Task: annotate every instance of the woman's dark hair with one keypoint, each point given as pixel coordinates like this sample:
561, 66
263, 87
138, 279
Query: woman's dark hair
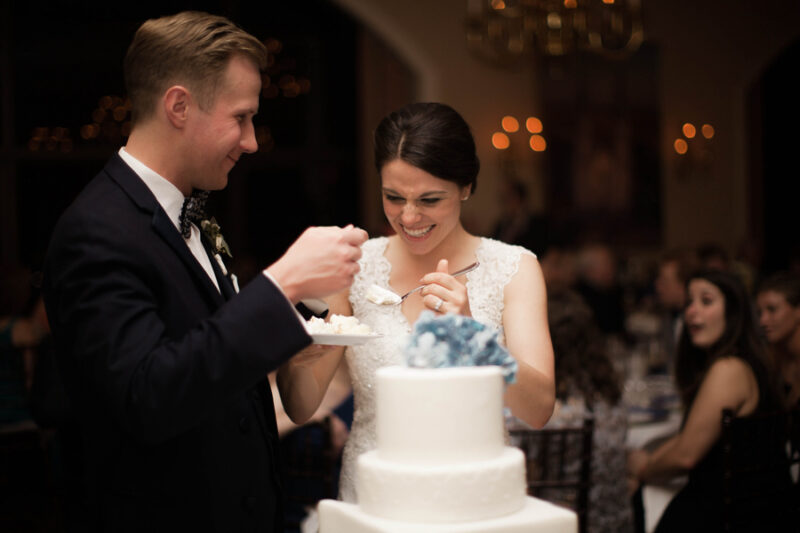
432, 137
785, 283
740, 338
581, 360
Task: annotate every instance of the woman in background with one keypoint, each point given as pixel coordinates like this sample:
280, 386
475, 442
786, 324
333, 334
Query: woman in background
778, 299
721, 364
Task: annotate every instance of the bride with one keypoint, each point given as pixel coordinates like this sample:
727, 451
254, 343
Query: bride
425, 156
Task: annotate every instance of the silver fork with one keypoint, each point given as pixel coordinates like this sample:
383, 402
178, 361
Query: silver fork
461, 272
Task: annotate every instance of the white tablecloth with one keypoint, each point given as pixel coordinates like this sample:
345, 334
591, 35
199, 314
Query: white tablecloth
655, 498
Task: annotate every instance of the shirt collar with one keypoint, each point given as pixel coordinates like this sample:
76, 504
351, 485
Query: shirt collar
168, 195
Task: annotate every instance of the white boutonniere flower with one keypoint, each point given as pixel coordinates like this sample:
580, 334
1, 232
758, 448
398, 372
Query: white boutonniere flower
212, 232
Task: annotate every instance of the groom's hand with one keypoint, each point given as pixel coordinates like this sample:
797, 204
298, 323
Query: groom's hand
322, 261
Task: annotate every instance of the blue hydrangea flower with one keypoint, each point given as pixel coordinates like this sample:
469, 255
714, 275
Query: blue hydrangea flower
440, 341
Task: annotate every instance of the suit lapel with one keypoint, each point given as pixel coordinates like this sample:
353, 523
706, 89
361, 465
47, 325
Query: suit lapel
225, 286
166, 230
140, 195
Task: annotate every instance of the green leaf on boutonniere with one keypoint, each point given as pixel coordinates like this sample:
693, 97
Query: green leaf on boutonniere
214, 236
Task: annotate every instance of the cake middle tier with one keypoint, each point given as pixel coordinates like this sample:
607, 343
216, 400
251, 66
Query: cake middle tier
439, 416
476, 490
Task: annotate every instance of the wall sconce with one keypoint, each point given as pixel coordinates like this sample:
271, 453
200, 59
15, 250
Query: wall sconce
511, 130
509, 124
694, 151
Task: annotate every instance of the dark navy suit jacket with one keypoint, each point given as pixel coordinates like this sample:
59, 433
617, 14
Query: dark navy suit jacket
168, 376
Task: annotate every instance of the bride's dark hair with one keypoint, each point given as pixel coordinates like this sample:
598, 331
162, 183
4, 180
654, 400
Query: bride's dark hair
432, 137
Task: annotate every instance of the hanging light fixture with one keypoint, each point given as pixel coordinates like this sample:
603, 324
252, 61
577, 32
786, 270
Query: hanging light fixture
505, 31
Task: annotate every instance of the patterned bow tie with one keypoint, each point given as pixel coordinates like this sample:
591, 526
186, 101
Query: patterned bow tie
192, 211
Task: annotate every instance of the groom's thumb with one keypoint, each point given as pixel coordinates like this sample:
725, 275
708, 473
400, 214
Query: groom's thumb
442, 266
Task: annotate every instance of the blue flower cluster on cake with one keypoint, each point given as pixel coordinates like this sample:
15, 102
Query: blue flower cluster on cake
440, 341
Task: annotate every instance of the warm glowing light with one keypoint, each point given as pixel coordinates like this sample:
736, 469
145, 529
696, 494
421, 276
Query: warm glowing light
538, 144
273, 46
689, 131
608, 1
534, 125
89, 131
681, 146
120, 113
570, 4
105, 103
498, 5
500, 141
553, 21
708, 131
510, 124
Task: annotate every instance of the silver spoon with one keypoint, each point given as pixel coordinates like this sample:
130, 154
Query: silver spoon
379, 295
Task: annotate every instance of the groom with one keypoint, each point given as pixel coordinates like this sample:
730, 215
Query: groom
166, 365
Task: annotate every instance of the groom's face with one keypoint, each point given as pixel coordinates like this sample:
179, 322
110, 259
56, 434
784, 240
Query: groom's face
222, 133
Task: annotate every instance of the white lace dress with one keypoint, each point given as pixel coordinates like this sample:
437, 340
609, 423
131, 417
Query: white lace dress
499, 263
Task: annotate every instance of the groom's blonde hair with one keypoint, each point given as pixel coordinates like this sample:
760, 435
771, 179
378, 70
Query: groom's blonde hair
190, 48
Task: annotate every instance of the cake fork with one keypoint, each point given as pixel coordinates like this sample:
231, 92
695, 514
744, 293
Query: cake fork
461, 272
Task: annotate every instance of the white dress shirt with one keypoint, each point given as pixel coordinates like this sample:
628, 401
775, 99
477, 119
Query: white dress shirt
171, 200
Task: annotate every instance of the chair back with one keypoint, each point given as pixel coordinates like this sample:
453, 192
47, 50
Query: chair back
559, 465
757, 490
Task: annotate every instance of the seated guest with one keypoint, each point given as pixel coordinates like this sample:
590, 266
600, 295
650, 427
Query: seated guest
778, 300
674, 267
721, 364
587, 385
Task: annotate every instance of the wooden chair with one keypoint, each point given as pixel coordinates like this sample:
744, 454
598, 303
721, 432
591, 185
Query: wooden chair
758, 493
559, 465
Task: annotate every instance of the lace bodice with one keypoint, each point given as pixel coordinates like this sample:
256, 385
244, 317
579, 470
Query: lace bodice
499, 263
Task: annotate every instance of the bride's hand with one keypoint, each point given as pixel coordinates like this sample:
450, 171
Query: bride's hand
443, 293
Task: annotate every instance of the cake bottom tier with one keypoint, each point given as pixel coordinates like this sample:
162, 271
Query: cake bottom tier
536, 516
476, 490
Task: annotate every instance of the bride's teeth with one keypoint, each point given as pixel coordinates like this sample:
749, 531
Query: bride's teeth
418, 233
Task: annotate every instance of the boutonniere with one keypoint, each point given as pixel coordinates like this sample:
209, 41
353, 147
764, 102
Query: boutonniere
213, 235
212, 232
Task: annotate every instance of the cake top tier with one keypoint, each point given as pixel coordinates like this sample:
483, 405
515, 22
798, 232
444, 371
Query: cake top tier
439, 415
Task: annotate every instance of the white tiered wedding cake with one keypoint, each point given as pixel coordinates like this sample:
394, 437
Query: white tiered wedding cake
441, 464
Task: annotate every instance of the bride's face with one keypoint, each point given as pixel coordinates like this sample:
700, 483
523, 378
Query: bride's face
421, 208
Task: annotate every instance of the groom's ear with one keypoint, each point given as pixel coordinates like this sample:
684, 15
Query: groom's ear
176, 105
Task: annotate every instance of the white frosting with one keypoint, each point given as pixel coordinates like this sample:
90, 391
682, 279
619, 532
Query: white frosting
337, 324
378, 295
537, 516
439, 416
441, 465
474, 490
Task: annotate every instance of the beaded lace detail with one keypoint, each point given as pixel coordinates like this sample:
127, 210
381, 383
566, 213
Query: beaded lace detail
499, 263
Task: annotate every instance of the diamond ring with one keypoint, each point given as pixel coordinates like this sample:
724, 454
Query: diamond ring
438, 305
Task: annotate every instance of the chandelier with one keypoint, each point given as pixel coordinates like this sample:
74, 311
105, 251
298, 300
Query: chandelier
504, 31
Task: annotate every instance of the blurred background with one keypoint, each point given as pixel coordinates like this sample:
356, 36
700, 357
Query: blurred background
666, 123
610, 131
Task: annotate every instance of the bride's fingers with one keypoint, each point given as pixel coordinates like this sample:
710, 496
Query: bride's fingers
434, 303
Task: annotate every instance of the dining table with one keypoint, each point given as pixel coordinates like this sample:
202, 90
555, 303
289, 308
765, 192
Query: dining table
654, 415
